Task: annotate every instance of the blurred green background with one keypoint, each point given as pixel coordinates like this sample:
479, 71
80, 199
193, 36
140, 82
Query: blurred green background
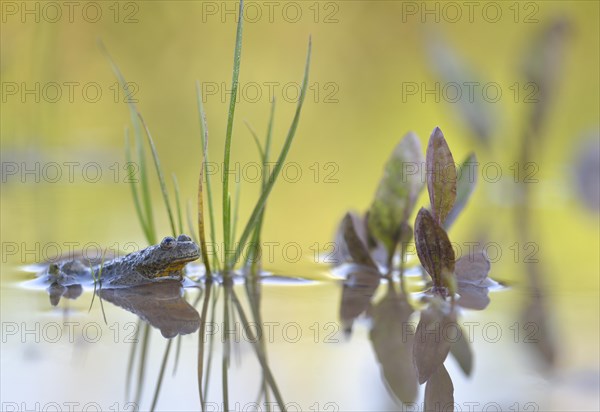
365, 55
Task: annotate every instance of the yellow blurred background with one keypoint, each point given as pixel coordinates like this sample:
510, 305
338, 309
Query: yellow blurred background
365, 56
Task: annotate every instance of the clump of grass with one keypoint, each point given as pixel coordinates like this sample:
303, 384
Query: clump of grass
229, 215
252, 229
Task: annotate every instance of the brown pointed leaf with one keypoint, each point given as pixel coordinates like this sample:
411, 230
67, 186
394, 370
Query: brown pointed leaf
441, 176
467, 179
434, 249
397, 191
356, 246
432, 340
439, 392
393, 345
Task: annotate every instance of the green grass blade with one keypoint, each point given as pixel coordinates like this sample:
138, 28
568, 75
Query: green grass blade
159, 173
278, 166
255, 137
134, 192
268, 140
144, 183
236, 208
209, 198
161, 375
133, 112
190, 223
252, 257
201, 219
230, 116
178, 204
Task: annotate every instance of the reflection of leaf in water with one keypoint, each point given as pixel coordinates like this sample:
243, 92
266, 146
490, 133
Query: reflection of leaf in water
393, 345
160, 304
397, 192
461, 350
441, 176
472, 280
359, 288
439, 391
356, 246
467, 178
434, 249
431, 341
536, 323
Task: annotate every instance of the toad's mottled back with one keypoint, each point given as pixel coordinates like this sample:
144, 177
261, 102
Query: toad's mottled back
155, 263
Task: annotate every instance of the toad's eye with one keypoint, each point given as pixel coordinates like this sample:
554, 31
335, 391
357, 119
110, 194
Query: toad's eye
167, 243
184, 238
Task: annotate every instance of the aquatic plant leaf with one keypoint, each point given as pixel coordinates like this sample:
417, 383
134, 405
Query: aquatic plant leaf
586, 167
441, 176
359, 287
466, 181
542, 65
439, 392
431, 343
478, 112
434, 250
393, 345
355, 245
472, 280
461, 350
341, 254
397, 192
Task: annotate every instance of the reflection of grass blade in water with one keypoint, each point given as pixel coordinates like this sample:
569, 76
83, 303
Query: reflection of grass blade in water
227, 346
132, 358
253, 291
254, 217
201, 341
226, 158
259, 353
211, 342
161, 375
97, 281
